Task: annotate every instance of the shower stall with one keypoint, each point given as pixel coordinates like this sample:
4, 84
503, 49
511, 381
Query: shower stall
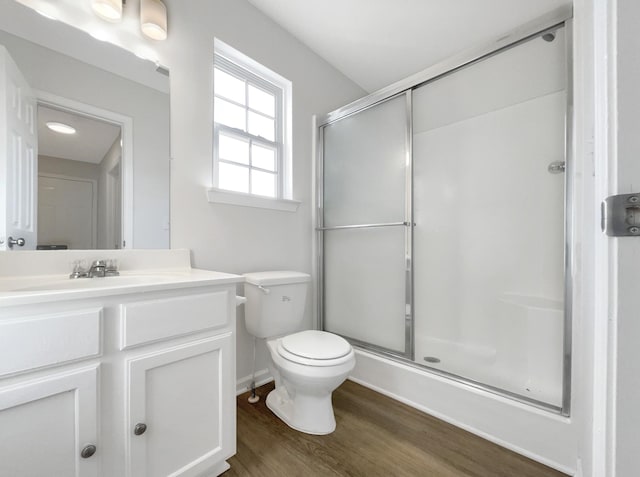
444, 219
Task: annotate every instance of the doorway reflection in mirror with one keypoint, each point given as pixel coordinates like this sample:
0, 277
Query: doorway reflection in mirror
79, 205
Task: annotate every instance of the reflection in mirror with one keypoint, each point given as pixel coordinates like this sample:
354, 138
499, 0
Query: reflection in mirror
107, 186
78, 181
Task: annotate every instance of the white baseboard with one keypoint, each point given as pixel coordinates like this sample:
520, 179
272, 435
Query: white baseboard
244, 384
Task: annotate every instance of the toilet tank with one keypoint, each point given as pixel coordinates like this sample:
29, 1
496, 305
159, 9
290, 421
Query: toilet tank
275, 302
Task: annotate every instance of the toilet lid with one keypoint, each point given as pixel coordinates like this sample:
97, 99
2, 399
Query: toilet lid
313, 344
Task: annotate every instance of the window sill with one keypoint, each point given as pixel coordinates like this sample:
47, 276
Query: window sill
219, 196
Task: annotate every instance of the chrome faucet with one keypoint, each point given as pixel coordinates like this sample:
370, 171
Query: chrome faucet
98, 269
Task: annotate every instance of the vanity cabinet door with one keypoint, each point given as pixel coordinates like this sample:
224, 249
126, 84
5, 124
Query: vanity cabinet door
181, 419
46, 424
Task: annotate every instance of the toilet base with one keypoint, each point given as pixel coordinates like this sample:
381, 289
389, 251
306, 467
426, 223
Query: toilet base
308, 414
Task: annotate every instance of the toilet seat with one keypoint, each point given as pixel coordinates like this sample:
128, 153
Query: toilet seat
315, 348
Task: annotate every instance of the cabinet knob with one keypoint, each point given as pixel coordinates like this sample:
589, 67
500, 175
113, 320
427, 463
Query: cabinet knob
88, 451
140, 429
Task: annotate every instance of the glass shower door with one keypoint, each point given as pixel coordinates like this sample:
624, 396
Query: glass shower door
489, 208
365, 236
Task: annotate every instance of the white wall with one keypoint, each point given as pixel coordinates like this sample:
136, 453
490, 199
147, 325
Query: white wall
61, 75
66, 167
233, 238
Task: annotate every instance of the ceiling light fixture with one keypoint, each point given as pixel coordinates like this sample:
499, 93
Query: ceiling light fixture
153, 19
109, 10
61, 128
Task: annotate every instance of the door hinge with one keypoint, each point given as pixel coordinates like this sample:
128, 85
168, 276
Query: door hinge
620, 215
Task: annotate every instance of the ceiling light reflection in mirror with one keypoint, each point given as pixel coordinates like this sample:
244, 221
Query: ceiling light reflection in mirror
61, 128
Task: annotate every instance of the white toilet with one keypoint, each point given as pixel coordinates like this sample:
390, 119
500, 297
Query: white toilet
307, 365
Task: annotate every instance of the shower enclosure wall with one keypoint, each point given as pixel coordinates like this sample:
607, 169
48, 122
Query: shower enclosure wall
442, 228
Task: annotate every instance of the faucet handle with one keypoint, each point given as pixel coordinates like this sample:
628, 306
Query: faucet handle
99, 263
111, 269
79, 270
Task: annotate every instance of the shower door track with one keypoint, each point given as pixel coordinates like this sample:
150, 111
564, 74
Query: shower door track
559, 18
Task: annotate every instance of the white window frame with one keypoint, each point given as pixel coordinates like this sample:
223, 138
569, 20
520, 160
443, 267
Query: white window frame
233, 62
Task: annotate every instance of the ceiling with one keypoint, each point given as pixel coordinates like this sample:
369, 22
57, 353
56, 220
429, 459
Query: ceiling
378, 42
90, 143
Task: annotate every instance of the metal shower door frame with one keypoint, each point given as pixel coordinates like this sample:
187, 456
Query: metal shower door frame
407, 223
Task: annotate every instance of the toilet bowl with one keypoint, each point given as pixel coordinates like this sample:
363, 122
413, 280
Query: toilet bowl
307, 368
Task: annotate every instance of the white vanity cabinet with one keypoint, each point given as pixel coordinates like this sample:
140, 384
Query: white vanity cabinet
48, 409
47, 425
125, 384
179, 411
181, 415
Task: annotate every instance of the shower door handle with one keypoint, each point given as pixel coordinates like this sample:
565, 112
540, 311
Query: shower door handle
365, 226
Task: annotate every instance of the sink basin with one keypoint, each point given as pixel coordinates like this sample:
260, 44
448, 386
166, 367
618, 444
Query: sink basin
66, 284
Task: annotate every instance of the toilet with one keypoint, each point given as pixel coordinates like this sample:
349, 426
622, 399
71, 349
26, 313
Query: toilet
307, 366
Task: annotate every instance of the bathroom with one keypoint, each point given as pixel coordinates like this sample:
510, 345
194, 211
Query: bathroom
177, 211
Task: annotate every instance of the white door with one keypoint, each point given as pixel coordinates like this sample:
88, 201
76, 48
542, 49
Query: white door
184, 396
114, 207
45, 424
67, 212
18, 158
625, 251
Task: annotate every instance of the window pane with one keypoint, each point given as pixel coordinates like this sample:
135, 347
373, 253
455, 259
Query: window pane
263, 183
233, 149
262, 101
229, 114
263, 157
232, 177
229, 86
261, 126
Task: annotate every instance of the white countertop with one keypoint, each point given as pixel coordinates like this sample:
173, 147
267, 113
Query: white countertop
28, 277
24, 290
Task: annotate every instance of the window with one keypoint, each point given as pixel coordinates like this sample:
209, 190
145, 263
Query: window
251, 122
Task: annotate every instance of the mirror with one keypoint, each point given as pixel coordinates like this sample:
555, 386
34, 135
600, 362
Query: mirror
106, 185
79, 181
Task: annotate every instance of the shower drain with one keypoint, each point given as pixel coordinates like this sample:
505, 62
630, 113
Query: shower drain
431, 359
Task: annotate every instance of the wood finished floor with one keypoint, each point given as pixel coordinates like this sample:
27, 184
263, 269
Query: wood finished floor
375, 436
